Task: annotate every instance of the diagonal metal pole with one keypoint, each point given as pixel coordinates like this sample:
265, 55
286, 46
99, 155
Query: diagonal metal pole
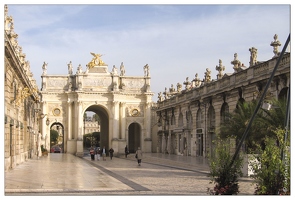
287, 117
283, 151
260, 102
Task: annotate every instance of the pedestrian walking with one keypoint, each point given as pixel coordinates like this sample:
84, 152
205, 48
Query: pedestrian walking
111, 152
92, 153
98, 153
104, 153
126, 151
138, 156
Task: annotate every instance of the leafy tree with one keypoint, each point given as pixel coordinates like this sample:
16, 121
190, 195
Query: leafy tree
87, 138
274, 117
96, 136
237, 122
53, 136
91, 139
271, 172
265, 137
263, 125
222, 175
96, 117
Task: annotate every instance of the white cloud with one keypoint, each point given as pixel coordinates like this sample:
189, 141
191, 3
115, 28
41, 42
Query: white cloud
176, 44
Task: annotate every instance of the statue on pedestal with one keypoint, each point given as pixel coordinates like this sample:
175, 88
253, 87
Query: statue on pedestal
122, 69
44, 67
70, 68
146, 69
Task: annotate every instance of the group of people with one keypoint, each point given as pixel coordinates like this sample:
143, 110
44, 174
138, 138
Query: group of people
95, 153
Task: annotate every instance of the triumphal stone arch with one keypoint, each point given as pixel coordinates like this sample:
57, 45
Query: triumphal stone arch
122, 102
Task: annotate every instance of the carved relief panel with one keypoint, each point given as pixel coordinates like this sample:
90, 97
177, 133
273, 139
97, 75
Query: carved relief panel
135, 111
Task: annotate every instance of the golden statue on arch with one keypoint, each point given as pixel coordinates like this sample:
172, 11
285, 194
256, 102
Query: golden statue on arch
96, 61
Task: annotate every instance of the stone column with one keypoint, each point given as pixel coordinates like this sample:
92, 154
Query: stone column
189, 143
163, 143
43, 121
116, 115
169, 143
217, 103
148, 120
181, 142
70, 134
79, 151
80, 121
147, 128
122, 134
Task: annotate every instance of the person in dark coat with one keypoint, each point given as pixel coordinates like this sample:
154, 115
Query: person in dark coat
111, 152
126, 151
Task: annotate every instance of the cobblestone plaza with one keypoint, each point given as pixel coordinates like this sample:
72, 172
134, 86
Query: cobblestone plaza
159, 174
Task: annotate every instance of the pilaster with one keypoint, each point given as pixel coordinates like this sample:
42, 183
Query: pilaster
123, 120
79, 120
116, 117
43, 121
70, 136
148, 120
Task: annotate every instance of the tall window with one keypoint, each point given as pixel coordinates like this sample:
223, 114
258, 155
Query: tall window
180, 120
173, 120
224, 113
199, 118
211, 118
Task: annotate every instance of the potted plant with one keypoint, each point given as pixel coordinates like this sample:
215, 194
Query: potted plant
44, 151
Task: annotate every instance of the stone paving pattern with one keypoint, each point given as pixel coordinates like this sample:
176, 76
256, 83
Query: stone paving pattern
159, 174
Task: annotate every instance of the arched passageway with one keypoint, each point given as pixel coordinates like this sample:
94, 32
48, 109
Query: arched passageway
134, 132
283, 93
104, 125
57, 140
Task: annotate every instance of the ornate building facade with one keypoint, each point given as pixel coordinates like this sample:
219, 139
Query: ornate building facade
123, 104
21, 98
189, 118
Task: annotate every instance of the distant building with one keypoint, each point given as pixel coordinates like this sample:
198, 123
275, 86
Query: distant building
91, 125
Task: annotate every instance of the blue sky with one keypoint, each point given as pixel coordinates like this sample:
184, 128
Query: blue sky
177, 41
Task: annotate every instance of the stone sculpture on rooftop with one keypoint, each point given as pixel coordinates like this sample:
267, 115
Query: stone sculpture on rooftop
220, 68
275, 44
96, 61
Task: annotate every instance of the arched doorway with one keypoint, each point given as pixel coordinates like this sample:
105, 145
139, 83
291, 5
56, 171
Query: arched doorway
134, 133
103, 126
283, 93
211, 129
56, 136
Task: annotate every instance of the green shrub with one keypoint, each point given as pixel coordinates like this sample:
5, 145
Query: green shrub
272, 173
224, 176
